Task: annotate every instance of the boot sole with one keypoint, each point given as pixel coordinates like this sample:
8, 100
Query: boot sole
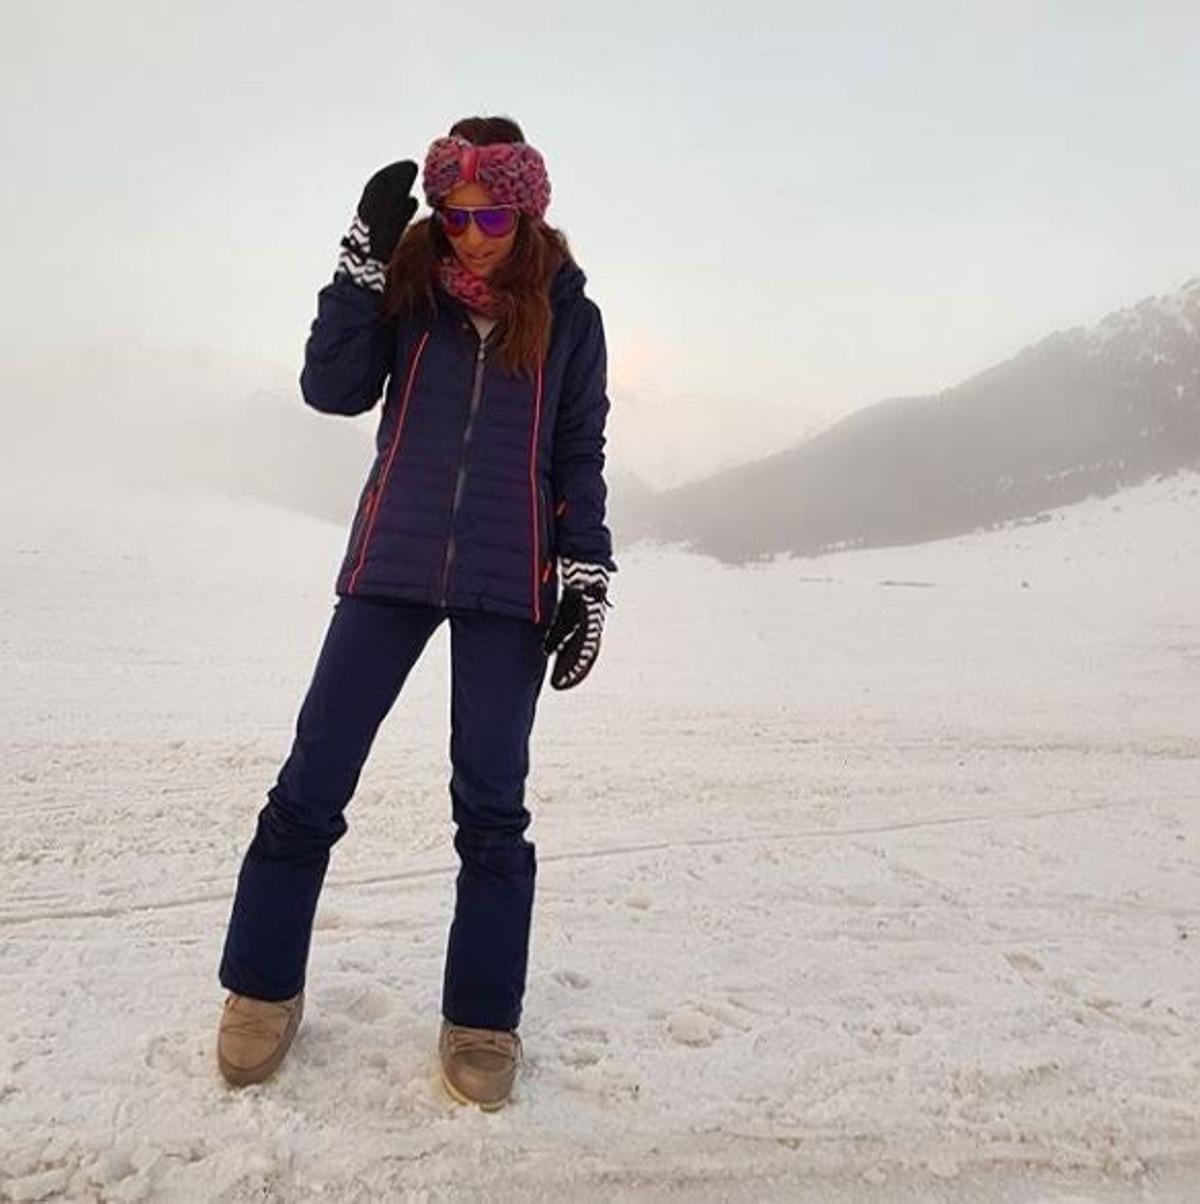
246, 1076
494, 1106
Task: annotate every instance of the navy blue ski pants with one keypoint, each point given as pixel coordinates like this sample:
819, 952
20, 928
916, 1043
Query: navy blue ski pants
497, 670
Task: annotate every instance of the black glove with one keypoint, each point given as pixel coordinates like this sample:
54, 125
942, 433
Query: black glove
384, 210
578, 623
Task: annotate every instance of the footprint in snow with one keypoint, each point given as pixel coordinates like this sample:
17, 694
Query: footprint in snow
586, 1032
691, 1027
366, 1004
1023, 961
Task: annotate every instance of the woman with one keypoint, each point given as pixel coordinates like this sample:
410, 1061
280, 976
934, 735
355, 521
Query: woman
488, 470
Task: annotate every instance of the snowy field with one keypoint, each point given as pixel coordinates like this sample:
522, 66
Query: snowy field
868, 877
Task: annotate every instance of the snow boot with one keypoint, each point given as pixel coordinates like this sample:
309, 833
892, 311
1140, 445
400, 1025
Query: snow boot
478, 1064
254, 1036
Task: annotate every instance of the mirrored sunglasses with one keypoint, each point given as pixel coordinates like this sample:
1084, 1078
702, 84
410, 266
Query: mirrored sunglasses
493, 221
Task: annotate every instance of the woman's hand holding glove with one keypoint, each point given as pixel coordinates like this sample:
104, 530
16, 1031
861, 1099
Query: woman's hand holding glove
578, 622
384, 210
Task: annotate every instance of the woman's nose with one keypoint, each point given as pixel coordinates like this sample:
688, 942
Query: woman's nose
473, 235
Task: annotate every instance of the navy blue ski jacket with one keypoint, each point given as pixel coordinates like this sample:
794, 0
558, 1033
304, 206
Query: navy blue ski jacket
481, 479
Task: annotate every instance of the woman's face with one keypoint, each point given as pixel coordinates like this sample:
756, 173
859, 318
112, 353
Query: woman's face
480, 254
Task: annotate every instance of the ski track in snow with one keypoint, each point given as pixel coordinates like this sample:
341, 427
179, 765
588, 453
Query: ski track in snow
846, 891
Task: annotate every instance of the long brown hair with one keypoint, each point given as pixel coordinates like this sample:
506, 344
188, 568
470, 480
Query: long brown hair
521, 283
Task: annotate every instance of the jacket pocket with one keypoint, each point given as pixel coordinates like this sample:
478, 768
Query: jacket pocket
544, 520
362, 520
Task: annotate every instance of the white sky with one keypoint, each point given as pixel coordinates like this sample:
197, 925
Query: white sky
786, 211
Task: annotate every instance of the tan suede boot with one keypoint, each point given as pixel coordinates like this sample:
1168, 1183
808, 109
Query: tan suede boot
478, 1064
254, 1036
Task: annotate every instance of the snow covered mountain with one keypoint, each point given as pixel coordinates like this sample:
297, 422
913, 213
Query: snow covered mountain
1084, 412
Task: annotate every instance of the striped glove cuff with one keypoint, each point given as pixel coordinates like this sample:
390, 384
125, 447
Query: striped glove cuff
355, 260
591, 580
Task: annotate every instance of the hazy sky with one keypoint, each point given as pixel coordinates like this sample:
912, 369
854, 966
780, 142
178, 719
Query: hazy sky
786, 211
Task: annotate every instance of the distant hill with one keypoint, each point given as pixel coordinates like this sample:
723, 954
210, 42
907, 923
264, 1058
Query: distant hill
1083, 412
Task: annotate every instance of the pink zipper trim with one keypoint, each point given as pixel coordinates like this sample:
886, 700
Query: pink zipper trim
533, 498
373, 504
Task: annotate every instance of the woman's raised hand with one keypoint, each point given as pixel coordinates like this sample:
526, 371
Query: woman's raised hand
385, 208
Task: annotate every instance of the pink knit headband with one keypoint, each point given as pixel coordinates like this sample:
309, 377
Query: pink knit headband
513, 172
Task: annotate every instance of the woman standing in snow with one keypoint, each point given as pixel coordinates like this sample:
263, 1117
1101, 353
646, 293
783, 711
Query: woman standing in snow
489, 469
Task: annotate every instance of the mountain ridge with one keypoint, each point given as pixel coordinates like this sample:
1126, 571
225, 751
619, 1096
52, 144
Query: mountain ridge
1082, 411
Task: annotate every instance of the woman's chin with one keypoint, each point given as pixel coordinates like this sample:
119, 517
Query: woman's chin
479, 267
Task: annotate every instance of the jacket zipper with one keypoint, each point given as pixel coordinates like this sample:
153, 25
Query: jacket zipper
476, 390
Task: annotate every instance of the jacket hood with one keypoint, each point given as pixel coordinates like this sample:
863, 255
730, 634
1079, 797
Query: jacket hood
568, 282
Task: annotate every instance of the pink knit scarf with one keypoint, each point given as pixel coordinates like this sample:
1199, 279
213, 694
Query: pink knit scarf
473, 291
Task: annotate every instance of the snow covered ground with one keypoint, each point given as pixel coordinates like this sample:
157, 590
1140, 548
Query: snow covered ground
869, 877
